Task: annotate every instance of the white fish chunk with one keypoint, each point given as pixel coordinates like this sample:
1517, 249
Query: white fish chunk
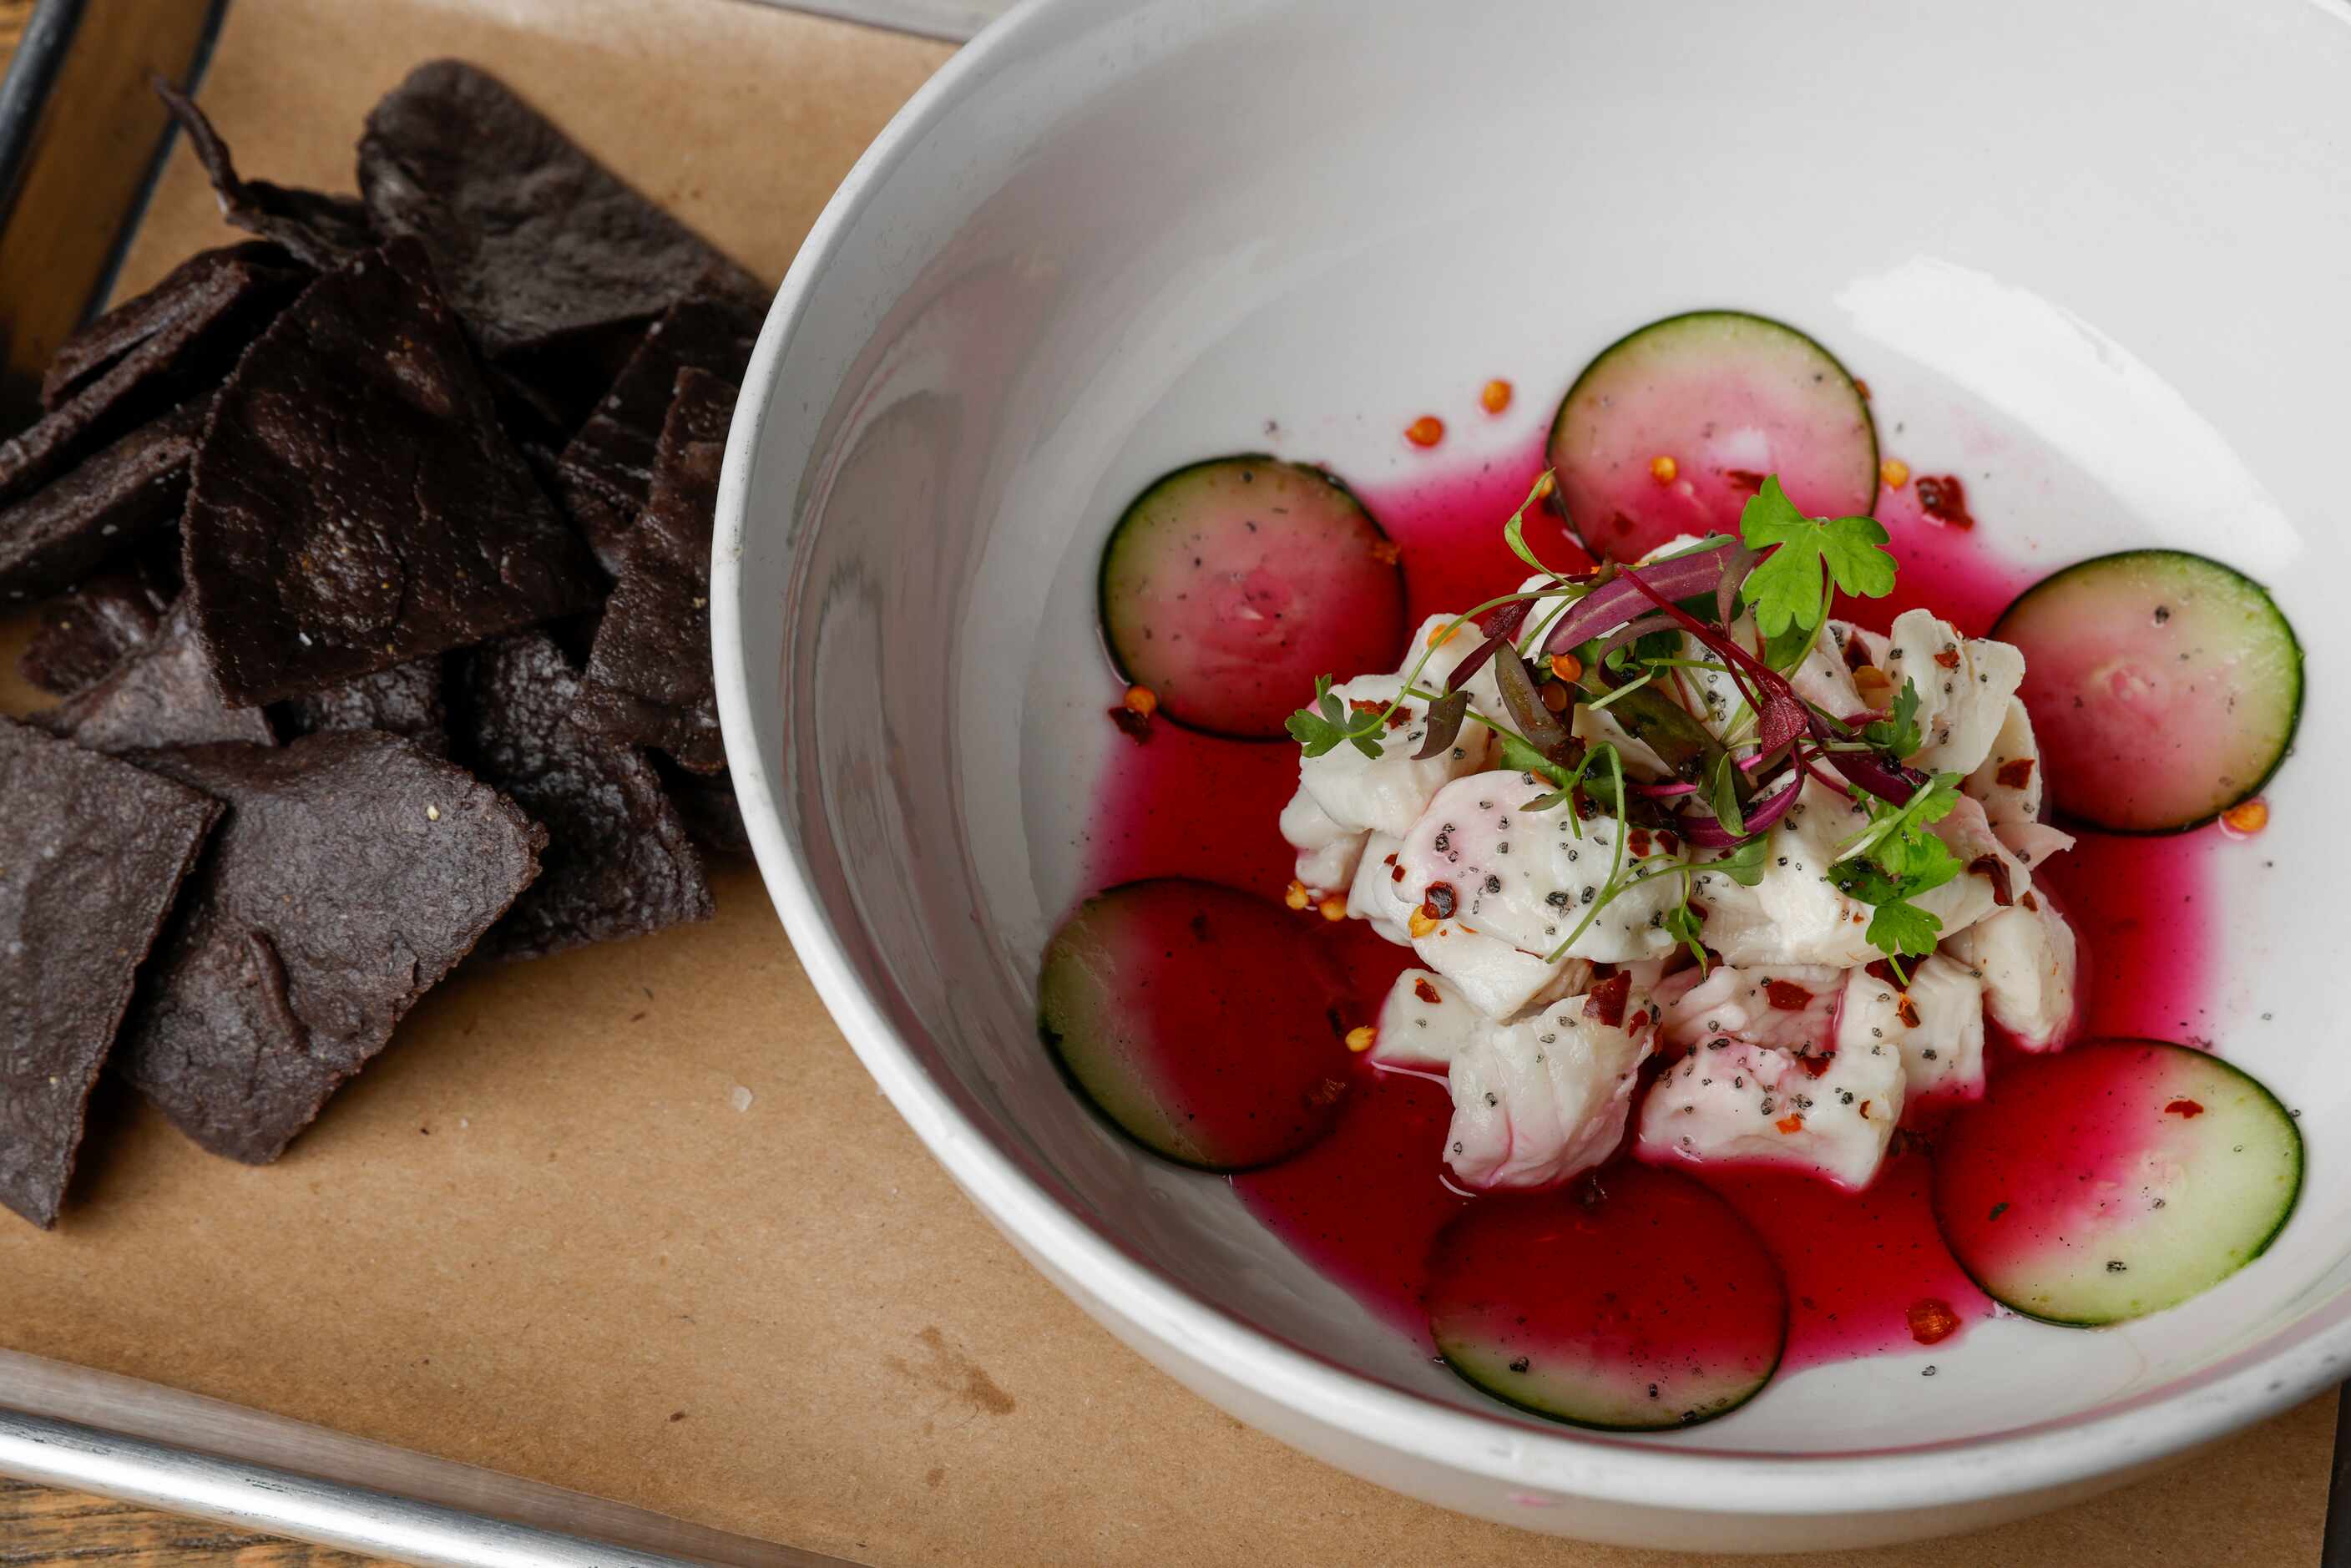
2009, 784
1328, 853
1535, 1101
1937, 1023
1528, 878
1739, 1102
1964, 685
1789, 1007
2025, 957
1372, 895
1499, 980
1345, 792
1425, 1022
1796, 915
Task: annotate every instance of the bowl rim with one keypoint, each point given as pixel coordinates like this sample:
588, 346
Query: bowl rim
2141, 1431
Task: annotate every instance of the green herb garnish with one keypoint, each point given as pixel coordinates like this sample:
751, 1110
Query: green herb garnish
1894, 859
1786, 591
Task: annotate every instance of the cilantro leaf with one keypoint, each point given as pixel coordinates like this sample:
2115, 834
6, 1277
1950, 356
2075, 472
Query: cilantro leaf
1320, 732
1311, 730
1744, 865
1899, 735
1896, 859
1903, 930
1786, 590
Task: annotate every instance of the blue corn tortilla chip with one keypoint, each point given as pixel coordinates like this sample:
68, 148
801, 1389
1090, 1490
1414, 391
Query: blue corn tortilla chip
115, 501
351, 872
619, 860
83, 635
320, 229
189, 289
552, 260
163, 693
217, 314
649, 679
405, 700
355, 504
606, 472
91, 853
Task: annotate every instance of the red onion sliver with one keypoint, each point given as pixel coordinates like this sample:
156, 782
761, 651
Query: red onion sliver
1630, 632
1613, 600
1708, 834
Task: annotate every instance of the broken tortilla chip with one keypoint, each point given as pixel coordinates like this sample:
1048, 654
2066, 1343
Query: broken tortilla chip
115, 500
618, 860
161, 695
193, 289
91, 853
539, 248
404, 700
649, 679
351, 872
606, 474
355, 504
83, 635
222, 311
320, 229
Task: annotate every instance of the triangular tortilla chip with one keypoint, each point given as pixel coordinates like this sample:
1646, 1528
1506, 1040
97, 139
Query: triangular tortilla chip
91, 852
355, 504
649, 678
351, 872
618, 860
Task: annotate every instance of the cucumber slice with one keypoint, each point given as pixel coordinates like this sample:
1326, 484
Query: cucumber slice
2164, 687
1584, 1304
2114, 1179
1204, 1023
1230, 585
1730, 398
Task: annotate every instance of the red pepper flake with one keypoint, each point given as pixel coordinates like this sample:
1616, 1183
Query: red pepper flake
1814, 1066
1786, 995
1990, 865
1792, 1122
1397, 875
1942, 497
1604, 1003
2015, 773
1667, 842
2186, 1110
1864, 1109
1135, 726
1949, 658
2030, 903
1908, 1011
1440, 901
1856, 652
1932, 1321
1639, 842
1746, 479
1426, 992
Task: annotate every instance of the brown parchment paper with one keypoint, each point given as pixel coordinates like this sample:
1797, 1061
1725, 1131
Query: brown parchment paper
634, 1220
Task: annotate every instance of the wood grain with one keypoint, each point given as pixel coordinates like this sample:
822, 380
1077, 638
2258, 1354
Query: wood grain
39, 1526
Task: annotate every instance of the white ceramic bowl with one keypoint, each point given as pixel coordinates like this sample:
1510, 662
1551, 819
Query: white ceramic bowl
2097, 255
